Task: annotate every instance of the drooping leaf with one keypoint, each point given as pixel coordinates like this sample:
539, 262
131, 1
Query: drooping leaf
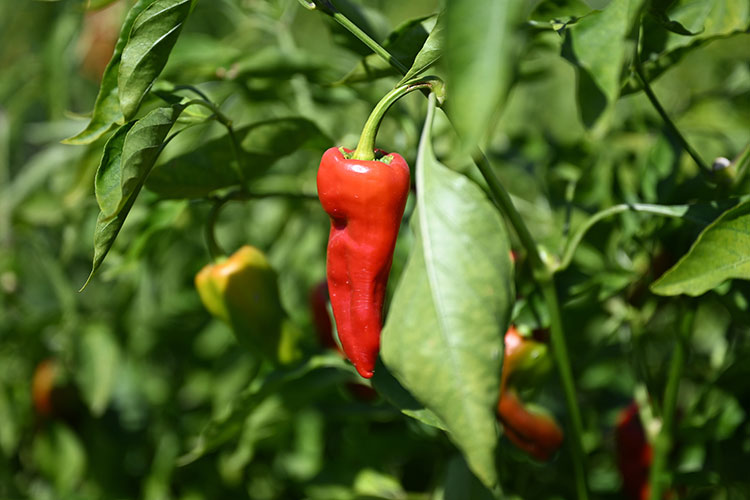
129, 156
481, 48
213, 165
430, 53
123, 171
443, 338
107, 107
403, 44
154, 33
721, 252
597, 46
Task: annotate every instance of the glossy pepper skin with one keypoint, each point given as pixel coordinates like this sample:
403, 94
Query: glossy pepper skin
243, 291
525, 363
365, 201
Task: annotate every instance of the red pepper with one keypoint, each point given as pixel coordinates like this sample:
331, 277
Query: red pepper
525, 362
365, 201
633, 453
533, 431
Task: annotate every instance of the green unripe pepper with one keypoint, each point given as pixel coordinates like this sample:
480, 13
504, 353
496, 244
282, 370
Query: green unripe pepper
243, 291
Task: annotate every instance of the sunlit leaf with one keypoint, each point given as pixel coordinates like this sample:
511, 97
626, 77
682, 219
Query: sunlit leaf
154, 33
721, 252
443, 338
107, 108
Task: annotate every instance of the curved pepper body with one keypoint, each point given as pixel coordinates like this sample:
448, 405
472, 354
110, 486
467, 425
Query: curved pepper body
525, 363
365, 201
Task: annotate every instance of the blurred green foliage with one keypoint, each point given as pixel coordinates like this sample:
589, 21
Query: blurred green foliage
143, 368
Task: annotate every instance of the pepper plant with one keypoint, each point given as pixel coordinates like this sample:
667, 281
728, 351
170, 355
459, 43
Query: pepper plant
456, 249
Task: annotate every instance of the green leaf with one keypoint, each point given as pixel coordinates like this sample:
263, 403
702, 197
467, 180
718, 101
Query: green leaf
123, 170
213, 165
388, 387
228, 425
403, 44
708, 20
107, 107
443, 338
721, 252
597, 46
430, 52
460, 483
98, 364
128, 157
481, 49
152, 37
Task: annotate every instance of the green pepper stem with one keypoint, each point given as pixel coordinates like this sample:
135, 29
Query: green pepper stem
366, 147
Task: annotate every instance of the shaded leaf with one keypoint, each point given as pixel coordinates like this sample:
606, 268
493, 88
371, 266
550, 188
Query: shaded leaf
123, 170
107, 107
707, 20
388, 387
597, 46
431, 51
213, 165
154, 33
481, 49
99, 359
443, 338
721, 252
404, 43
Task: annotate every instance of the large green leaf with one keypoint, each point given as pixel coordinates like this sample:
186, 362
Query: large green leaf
107, 107
721, 252
482, 46
443, 339
213, 165
403, 44
597, 45
154, 33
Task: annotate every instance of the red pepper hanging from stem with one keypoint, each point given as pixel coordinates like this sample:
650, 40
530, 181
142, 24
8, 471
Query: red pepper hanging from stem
364, 193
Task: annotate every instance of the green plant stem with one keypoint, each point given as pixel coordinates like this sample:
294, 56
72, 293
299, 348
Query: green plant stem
227, 122
542, 273
366, 146
702, 165
560, 352
328, 8
214, 250
659, 479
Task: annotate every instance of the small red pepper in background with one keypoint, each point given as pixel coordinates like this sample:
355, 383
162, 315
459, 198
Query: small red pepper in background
532, 430
321, 319
634, 453
525, 363
365, 200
